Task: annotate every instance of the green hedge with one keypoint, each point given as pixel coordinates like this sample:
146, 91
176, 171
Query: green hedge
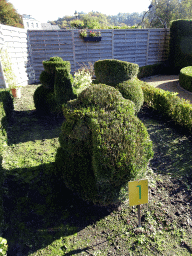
131, 90
180, 54
185, 78
151, 70
47, 77
6, 111
103, 144
112, 72
56, 87
170, 105
45, 102
63, 86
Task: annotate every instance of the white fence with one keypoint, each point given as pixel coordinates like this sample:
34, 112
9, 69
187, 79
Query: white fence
15, 40
30, 48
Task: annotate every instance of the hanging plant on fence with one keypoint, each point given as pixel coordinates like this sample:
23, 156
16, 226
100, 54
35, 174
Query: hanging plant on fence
90, 35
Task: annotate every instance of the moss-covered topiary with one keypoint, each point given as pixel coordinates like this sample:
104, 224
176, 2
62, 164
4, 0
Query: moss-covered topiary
63, 86
45, 102
47, 77
112, 72
185, 78
56, 86
102, 96
131, 90
103, 145
47, 80
51, 64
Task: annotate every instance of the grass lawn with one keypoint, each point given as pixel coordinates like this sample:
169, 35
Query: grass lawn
45, 218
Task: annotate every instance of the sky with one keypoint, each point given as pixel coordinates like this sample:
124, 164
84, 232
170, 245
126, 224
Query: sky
44, 10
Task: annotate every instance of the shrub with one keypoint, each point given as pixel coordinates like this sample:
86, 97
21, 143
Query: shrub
56, 87
47, 80
185, 78
47, 76
180, 45
45, 103
112, 72
3, 246
103, 96
102, 147
56, 62
170, 105
131, 90
151, 70
7, 100
6, 110
82, 79
62, 86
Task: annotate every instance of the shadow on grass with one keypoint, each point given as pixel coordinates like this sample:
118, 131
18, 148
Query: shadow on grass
39, 209
29, 126
172, 144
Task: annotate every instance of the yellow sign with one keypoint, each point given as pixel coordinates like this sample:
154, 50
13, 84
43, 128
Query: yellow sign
138, 192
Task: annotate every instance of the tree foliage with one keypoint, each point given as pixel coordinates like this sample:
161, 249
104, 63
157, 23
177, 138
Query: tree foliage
164, 11
159, 16
97, 20
9, 16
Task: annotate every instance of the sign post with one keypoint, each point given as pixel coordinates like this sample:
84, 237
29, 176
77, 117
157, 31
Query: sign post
138, 194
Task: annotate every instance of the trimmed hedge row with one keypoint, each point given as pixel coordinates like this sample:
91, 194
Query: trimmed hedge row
170, 105
103, 144
185, 78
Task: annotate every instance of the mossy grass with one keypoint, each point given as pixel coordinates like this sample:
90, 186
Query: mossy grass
53, 221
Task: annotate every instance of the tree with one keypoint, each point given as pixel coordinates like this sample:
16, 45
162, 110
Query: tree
163, 11
186, 8
9, 16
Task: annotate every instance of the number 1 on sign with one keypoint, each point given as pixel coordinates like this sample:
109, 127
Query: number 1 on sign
139, 186
138, 192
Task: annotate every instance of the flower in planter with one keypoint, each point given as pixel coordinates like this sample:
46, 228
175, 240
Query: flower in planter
83, 33
94, 33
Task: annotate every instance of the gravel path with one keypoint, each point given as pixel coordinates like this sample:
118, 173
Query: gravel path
169, 83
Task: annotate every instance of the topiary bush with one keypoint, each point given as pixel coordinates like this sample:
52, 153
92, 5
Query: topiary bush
131, 90
47, 77
63, 86
112, 72
103, 145
45, 102
47, 80
56, 87
185, 78
180, 44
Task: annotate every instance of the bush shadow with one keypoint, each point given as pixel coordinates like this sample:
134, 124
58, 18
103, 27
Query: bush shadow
29, 126
172, 144
39, 209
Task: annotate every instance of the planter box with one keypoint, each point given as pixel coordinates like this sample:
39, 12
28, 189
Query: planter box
16, 92
92, 39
